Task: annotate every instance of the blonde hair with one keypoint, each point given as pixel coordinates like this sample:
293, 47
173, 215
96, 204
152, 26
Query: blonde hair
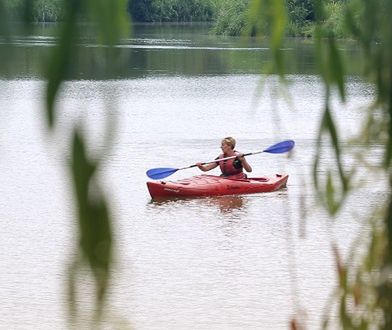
229, 141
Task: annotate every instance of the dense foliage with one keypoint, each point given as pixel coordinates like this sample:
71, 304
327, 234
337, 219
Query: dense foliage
229, 16
363, 296
301, 16
37, 10
172, 10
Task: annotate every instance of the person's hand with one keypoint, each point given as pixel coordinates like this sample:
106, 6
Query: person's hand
200, 165
237, 163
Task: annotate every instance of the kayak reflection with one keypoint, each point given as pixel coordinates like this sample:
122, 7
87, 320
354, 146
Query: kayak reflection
225, 204
229, 203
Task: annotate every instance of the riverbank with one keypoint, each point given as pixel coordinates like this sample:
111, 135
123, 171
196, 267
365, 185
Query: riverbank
228, 17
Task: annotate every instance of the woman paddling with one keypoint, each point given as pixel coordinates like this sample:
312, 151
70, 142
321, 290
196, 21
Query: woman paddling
233, 167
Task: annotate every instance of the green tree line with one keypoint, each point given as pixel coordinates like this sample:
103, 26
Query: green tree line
229, 16
140, 10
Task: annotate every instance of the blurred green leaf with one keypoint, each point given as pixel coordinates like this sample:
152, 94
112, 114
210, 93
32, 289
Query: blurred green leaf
388, 221
268, 18
111, 21
328, 124
330, 195
278, 28
333, 199
336, 67
27, 15
72, 280
110, 18
95, 232
5, 30
62, 57
319, 11
94, 222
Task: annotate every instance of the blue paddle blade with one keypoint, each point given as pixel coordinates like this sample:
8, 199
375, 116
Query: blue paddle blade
161, 172
280, 147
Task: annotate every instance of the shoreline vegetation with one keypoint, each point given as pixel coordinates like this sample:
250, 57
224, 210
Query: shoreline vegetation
228, 17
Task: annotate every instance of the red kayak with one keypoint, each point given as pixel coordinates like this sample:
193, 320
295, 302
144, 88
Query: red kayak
211, 185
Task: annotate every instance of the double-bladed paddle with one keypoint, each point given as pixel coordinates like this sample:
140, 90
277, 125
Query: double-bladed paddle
163, 172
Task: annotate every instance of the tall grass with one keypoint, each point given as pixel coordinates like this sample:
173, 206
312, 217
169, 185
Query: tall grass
38, 10
231, 17
172, 10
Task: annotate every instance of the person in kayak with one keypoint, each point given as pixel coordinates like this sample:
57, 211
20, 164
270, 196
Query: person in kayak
232, 168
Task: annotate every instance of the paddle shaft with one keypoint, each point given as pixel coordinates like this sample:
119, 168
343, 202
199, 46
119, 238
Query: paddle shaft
221, 159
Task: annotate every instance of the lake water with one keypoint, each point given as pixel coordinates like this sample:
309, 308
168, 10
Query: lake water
234, 262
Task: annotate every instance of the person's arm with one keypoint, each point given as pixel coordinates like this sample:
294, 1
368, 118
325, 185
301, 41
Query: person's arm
206, 167
244, 163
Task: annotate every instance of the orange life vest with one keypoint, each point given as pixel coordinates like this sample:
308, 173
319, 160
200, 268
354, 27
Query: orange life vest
227, 166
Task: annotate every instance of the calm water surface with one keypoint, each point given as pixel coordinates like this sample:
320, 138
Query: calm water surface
235, 262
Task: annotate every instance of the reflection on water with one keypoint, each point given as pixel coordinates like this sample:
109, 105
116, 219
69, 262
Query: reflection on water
215, 259
161, 49
225, 204
228, 204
